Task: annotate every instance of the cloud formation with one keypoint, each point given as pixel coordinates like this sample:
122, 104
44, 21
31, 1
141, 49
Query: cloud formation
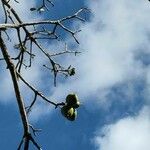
112, 42
131, 133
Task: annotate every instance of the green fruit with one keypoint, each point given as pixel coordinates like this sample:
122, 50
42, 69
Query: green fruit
76, 105
71, 72
67, 111
73, 116
70, 112
72, 100
64, 110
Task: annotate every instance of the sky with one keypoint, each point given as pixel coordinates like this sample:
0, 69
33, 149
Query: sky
112, 80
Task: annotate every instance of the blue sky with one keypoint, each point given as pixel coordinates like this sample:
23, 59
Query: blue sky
112, 81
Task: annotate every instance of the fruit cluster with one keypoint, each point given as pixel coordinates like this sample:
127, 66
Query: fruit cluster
69, 109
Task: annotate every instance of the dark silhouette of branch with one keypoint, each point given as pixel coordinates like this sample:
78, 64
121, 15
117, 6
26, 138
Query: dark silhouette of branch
36, 92
20, 102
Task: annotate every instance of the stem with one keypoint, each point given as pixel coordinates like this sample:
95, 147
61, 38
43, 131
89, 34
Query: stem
19, 99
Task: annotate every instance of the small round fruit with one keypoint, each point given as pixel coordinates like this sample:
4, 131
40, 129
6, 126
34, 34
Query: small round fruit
76, 105
64, 110
73, 117
67, 111
70, 112
72, 100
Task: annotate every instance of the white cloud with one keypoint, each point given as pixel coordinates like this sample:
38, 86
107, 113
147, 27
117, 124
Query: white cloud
131, 133
6, 88
23, 9
111, 40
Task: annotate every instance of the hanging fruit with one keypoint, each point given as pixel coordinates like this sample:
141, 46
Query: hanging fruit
69, 112
72, 100
73, 116
69, 109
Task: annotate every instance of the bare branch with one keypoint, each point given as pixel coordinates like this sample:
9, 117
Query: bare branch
2, 59
12, 70
36, 91
35, 143
34, 130
20, 144
5, 13
26, 141
34, 32
33, 102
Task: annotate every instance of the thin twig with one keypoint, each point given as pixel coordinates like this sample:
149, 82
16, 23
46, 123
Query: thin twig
36, 91
20, 144
34, 130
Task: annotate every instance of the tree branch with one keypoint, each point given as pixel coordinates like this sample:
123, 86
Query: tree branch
12, 71
27, 135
